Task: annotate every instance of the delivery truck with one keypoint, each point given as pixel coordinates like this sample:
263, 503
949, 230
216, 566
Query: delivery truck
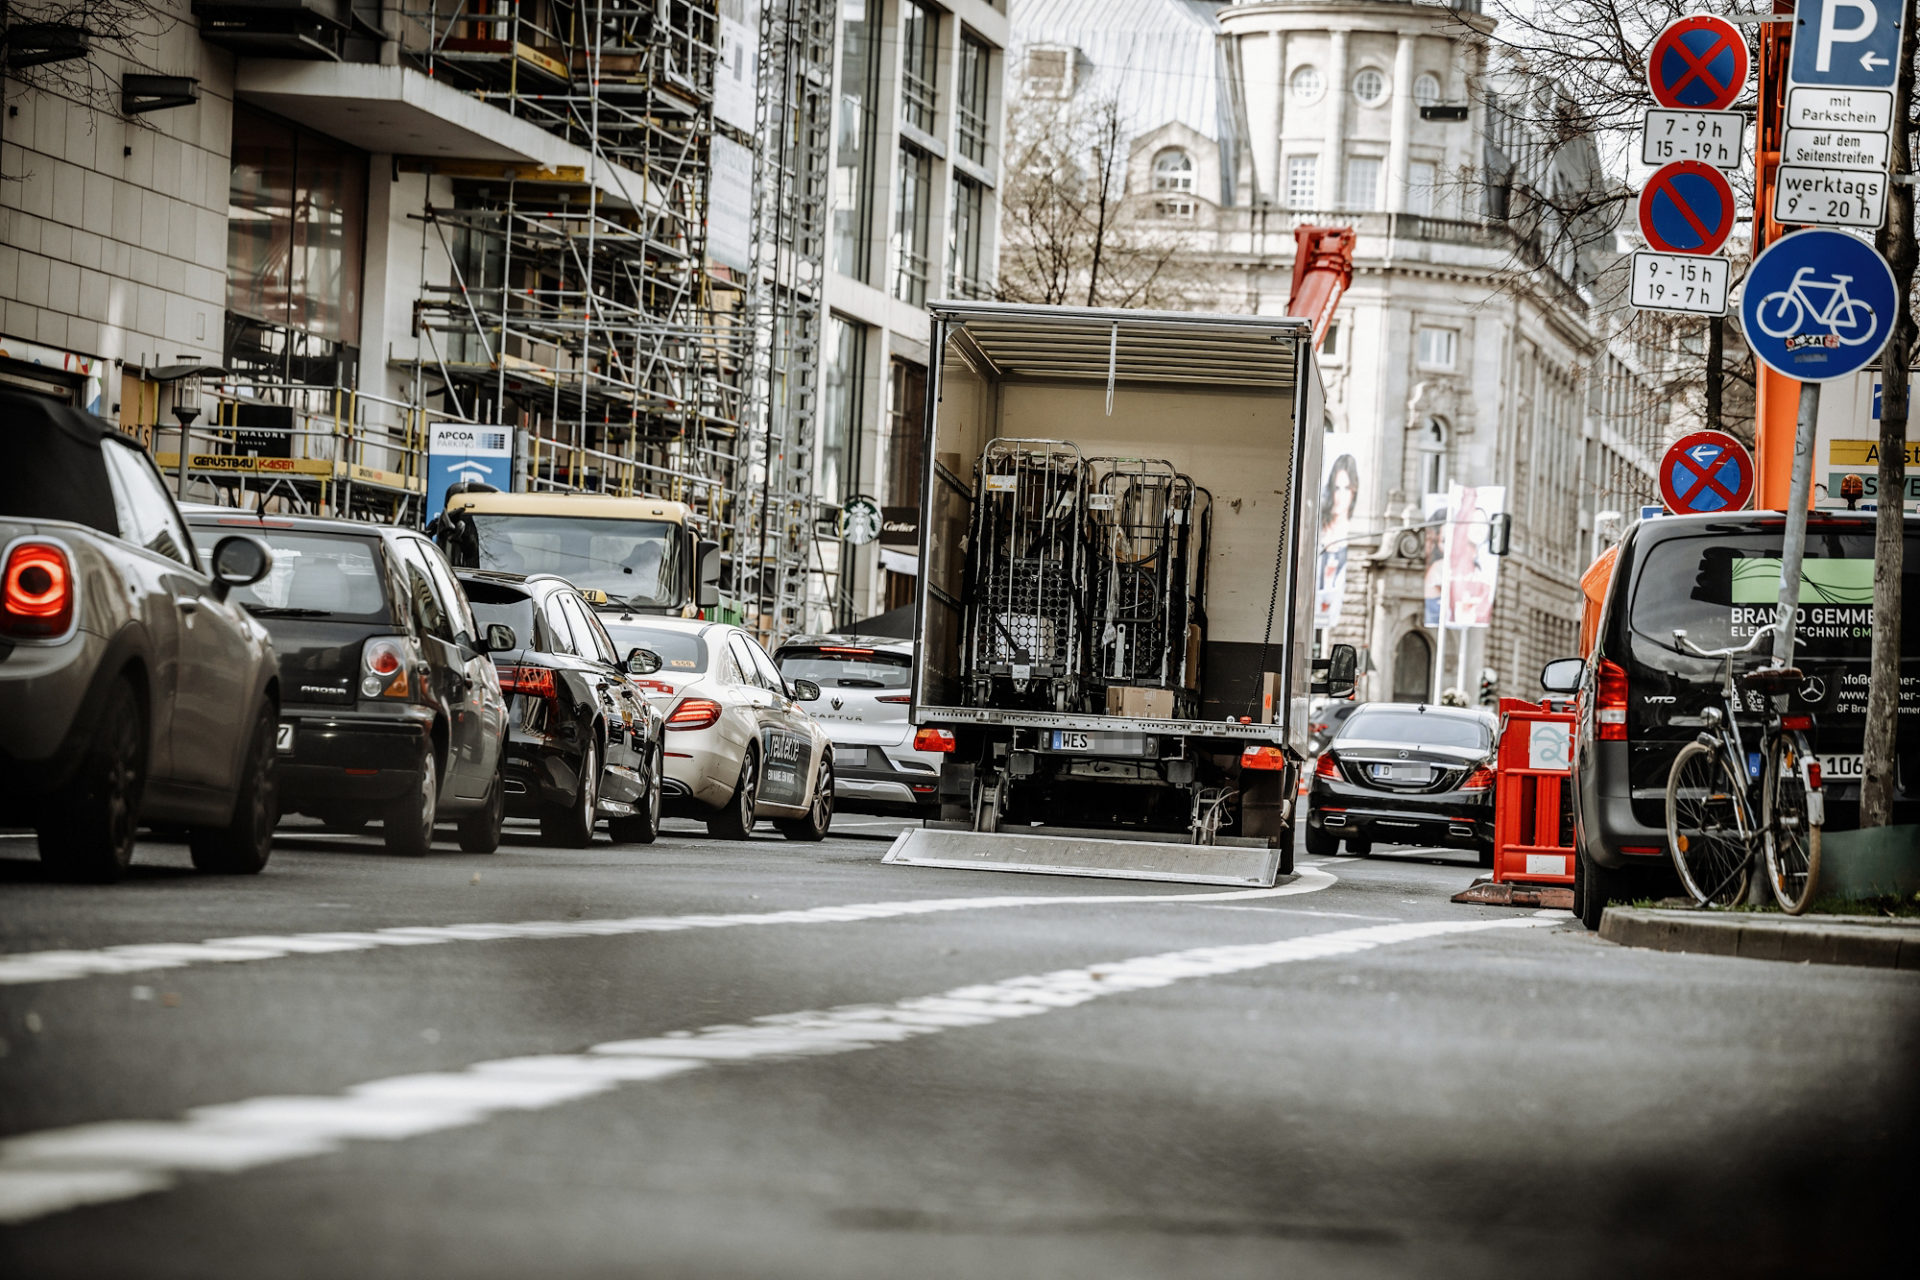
1117, 541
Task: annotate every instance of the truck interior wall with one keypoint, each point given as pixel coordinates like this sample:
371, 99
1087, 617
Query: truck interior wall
1236, 444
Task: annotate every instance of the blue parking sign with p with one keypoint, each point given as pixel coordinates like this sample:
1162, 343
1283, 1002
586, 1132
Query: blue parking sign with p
459, 451
1851, 44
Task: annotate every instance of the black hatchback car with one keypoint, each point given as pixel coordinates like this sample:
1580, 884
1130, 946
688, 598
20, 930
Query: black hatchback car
582, 739
1405, 773
1639, 695
389, 707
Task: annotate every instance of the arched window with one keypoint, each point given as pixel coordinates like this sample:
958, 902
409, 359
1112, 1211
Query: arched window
1413, 668
1370, 87
1307, 84
1173, 170
1426, 90
1433, 456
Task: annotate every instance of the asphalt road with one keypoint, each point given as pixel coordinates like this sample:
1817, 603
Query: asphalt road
683, 1060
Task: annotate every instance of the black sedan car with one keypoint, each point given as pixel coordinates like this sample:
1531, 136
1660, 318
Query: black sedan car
1405, 774
389, 708
583, 741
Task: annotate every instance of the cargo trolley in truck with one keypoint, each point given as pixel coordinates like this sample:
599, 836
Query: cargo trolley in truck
1117, 540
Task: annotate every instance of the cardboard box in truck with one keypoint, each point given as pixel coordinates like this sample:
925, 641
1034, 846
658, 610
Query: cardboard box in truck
1140, 704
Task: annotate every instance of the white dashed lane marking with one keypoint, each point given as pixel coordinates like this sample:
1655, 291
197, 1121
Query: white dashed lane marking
60, 966
58, 1169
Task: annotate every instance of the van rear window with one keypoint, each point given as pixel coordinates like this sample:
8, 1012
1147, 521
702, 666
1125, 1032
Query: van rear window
1720, 589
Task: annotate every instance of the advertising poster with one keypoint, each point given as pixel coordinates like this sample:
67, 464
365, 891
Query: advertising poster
1339, 500
735, 78
1462, 575
730, 213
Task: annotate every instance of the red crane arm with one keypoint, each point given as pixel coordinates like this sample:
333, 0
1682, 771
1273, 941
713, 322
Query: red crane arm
1322, 270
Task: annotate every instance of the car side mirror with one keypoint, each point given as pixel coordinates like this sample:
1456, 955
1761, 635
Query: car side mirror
239, 562
1562, 675
499, 638
1336, 674
706, 557
805, 691
642, 662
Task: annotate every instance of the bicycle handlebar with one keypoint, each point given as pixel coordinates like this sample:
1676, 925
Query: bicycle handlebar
1681, 643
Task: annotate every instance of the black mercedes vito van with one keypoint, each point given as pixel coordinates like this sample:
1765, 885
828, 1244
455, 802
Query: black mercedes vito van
1717, 577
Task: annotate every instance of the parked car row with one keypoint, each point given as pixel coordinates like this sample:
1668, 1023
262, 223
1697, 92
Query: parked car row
214, 669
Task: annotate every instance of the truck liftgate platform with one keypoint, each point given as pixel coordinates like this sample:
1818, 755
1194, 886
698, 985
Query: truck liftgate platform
1251, 865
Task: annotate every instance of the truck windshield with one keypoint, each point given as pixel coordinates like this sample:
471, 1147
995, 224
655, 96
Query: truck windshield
636, 562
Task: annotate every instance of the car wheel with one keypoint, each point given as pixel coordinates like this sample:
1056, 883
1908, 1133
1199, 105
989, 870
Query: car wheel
241, 847
93, 821
643, 827
735, 821
1321, 843
480, 831
1359, 848
820, 816
571, 826
1594, 887
408, 828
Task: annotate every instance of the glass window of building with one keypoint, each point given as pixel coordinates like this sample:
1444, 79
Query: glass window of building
1307, 84
919, 64
1363, 184
1370, 87
1330, 345
854, 150
1173, 170
970, 120
1422, 177
1303, 181
840, 425
911, 221
1435, 349
906, 424
964, 237
1426, 90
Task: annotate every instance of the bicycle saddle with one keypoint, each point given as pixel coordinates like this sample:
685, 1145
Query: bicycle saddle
1774, 679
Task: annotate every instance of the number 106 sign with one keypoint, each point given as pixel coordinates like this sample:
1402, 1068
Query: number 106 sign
1683, 282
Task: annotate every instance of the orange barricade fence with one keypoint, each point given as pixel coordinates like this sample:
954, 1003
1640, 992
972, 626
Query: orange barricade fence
1533, 818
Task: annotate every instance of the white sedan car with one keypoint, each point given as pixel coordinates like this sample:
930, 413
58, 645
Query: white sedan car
739, 745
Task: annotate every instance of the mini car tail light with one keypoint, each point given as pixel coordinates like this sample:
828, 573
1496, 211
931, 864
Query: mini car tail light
1479, 780
535, 682
1610, 702
694, 713
898, 699
1259, 756
383, 668
1326, 766
37, 599
933, 740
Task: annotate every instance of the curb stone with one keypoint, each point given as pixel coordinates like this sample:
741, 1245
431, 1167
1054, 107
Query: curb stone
1878, 944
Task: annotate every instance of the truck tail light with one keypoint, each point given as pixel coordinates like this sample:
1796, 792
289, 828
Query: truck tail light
1326, 766
1262, 756
1480, 779
940, 740
37, 598
383, 668
694, 713
1610, 702
535, 682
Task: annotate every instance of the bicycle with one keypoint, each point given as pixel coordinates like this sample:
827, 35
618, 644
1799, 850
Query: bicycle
1841, 312
1711, 831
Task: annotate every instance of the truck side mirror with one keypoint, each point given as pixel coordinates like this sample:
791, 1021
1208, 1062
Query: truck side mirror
1336, 674
1562, 675
706, 557
1499, 534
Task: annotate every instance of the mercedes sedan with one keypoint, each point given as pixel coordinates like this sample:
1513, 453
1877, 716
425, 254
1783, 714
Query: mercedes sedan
1405, 774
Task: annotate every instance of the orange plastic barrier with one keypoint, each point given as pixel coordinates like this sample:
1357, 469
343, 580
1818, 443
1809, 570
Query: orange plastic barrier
1532, 821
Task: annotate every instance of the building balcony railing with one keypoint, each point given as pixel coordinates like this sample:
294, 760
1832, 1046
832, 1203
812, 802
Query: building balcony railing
1376, 228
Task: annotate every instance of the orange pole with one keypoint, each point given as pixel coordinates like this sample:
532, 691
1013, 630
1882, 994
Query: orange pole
1776, 397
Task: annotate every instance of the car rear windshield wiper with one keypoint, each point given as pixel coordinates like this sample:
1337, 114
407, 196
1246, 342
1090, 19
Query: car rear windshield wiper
284, 611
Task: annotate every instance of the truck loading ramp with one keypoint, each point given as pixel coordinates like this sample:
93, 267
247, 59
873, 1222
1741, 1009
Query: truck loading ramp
1243, 866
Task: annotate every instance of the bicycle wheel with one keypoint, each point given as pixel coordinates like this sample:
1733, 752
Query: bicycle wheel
1854, 323
1792, 839
1708, 829
1786, 316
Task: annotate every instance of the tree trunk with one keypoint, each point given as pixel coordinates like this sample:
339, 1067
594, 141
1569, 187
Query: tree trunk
1896, 241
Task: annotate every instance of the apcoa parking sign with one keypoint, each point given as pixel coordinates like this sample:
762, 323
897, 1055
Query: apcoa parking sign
458, 451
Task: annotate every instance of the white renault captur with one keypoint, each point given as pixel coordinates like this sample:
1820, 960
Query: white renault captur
739, 745
880, 763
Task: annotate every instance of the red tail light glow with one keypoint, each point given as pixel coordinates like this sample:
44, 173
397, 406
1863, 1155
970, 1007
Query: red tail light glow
1260, 756
1479, 780
1326, 766
1813, 774
933, 740
37, 598
694, 713
1610, 702
383, 666
841, 648
535, 682
897, 699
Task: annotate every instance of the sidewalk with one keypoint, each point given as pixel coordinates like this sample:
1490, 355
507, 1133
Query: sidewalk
1858, 940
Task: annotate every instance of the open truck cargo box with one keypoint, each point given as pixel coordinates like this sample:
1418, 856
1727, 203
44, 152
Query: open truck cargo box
1220, 400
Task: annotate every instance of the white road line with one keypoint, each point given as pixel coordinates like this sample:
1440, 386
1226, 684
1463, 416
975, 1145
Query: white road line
60, 966
58, 1169
1301, 911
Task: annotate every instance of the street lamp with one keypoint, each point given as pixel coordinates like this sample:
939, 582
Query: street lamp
184, 378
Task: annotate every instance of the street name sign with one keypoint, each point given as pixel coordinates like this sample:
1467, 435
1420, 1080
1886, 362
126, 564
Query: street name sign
1698, 63
459, 451
1686, 207
1683, 282
1711, 137
1818, 305
1806, 195
1706, 471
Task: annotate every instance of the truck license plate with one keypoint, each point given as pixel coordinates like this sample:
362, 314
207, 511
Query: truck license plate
1104, 744
283, 739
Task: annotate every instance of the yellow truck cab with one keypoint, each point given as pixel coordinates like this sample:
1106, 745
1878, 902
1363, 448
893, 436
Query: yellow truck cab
629, 555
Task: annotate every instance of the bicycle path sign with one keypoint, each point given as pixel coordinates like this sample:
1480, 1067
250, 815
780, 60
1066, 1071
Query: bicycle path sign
1818, 305
1698, 64
1704, 472
1686, 207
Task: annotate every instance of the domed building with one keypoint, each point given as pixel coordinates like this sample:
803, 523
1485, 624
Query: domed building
1467, 351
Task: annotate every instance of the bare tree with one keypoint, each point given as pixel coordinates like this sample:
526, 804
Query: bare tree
56, 45
1070, 233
